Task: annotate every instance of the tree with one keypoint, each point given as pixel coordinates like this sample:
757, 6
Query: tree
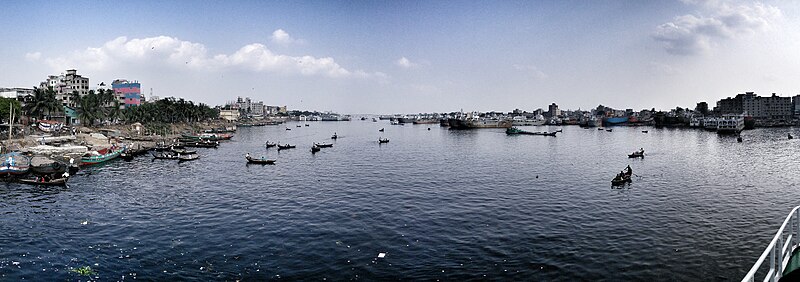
44, 100
5, 109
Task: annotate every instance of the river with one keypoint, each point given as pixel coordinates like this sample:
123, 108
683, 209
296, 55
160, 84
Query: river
436, 203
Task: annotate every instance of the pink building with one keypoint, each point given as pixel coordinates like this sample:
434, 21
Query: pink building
129, 92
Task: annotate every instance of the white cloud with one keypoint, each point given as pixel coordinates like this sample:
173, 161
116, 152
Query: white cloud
532, 71
697, 34
34, 56
405, 63
662, 68
164, 51
282, 37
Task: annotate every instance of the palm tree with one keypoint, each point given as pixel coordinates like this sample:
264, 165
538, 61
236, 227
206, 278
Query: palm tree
43, 100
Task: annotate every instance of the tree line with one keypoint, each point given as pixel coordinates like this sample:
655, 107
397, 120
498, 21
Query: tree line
102, 106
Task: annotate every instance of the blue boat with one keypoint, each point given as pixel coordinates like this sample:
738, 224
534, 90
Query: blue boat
614, 120
14, 164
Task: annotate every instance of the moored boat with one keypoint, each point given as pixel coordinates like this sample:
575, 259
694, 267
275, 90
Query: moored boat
102, 155
187, 157
165, 156
14, 164
383, 140
323, 145
268, 144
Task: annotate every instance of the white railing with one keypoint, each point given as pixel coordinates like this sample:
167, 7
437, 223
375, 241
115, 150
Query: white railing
779, 249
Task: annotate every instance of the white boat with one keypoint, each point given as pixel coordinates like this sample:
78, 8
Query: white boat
522, 121
730, 124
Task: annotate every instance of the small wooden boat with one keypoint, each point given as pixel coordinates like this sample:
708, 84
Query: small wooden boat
103, 155
790, 136
639, 154
269, 145
288, 128
44, 182
204, 144
262, 161
515, 131
165, 156
299, 125
287, 146
314, 149
381, 130
184, 151
323, 145
306, 124
334, 136
600, 128
622, 178
126, 155
644, 131
609, 130
383, 140
187, 157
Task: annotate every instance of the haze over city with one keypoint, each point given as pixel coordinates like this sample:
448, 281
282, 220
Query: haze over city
414, 56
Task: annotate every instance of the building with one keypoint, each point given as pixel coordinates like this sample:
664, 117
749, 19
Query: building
763, 108
249, 107
229, 115
23, 95
65, 85
796, 105
553, 110
128, 93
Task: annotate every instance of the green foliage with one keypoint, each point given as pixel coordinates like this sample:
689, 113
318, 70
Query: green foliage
170, 110
84, 271
5, 108
44, 101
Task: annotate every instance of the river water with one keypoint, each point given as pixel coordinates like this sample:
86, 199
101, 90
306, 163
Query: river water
439, 204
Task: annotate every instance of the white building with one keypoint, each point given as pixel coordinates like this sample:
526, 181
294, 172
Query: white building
65, 84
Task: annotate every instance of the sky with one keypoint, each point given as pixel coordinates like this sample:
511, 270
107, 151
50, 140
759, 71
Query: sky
413, 56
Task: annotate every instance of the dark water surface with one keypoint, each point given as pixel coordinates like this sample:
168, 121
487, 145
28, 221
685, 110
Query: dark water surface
440, 204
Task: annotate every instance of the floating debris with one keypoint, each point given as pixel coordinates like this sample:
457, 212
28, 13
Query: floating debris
85, 222
84, 271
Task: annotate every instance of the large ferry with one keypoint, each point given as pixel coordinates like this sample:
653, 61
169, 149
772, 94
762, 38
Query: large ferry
730, 124
472, 120
522, 121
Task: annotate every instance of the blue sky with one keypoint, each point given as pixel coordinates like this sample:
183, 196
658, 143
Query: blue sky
413, 56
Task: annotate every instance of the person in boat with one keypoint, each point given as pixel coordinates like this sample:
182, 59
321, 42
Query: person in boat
247, 155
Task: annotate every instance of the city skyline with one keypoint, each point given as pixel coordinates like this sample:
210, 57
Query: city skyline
425, 56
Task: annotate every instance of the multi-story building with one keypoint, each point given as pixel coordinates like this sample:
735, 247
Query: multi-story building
249, 107
553, 110
796, 105
128, 93
66, 84
775, 108
23, 95
765, 108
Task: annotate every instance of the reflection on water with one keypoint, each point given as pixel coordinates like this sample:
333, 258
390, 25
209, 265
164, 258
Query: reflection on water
440, 204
